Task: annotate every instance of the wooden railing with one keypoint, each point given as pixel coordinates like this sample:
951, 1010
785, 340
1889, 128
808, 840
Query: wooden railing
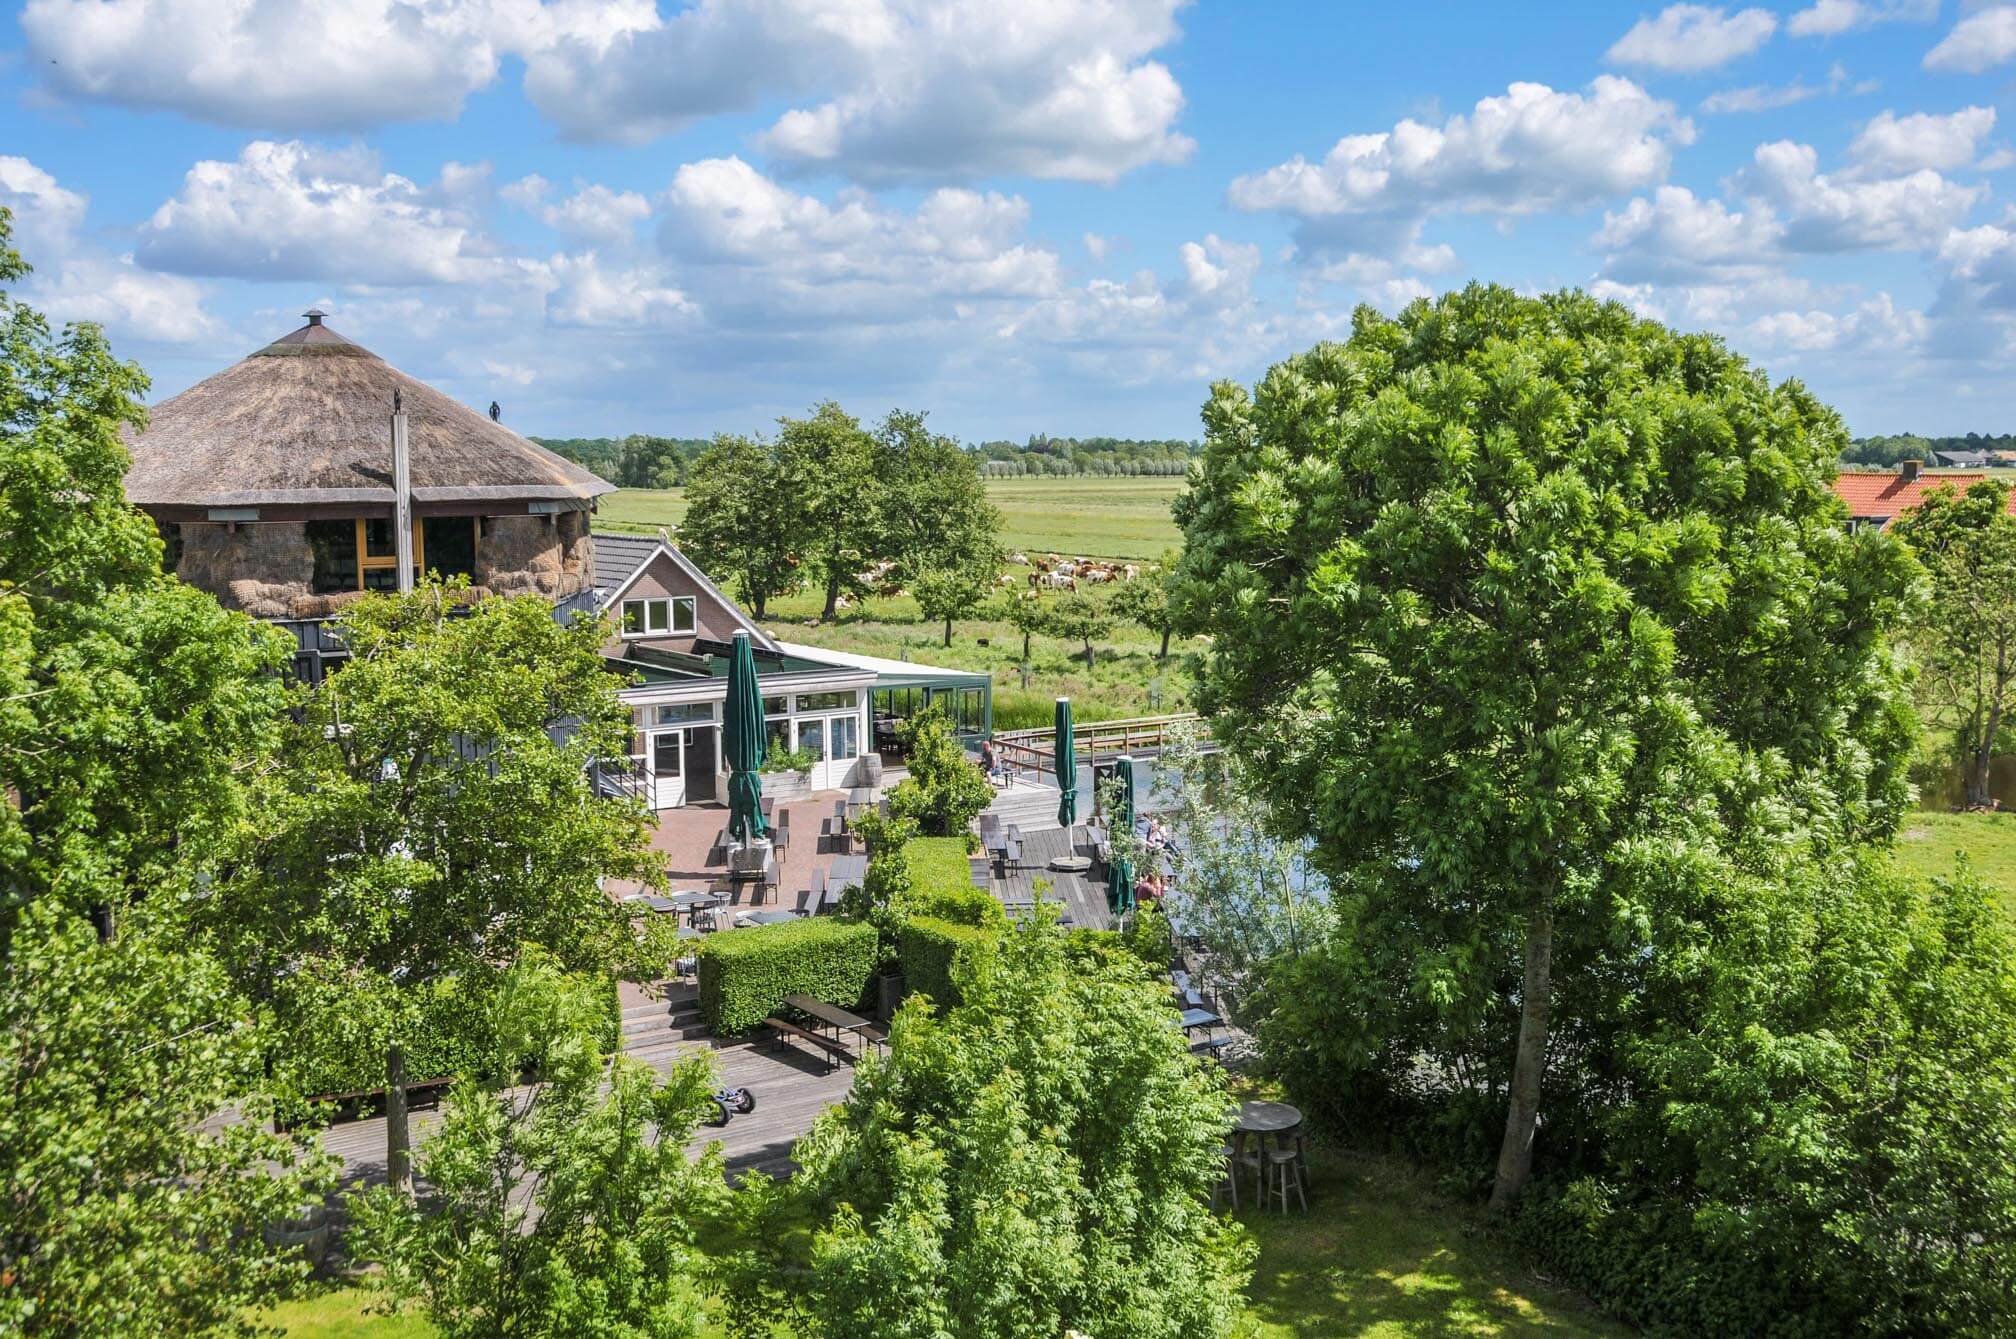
1034, 752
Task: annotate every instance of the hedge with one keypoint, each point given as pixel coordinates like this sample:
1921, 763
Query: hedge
745, 974
939, 864
927, 947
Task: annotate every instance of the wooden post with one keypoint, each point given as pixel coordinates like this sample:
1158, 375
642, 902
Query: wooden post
398, 1135
402, 497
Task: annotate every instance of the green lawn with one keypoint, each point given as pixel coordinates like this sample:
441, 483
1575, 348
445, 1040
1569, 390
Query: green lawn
1381, 1254
1094, 518
1930, 842
339, 1314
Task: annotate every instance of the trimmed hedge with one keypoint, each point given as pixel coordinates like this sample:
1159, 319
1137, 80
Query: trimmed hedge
938, 864
745, 974
927, 948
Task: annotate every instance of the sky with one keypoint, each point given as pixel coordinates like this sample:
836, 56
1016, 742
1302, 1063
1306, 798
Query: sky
1022, 216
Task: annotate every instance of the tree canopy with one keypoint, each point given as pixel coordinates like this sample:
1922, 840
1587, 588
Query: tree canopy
1511, 600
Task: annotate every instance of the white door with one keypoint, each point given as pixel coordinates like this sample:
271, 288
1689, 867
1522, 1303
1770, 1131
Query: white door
668, 773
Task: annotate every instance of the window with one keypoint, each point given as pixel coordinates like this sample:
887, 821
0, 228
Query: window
335, 547
812, 737
683, 712
658, 617
825, 701
776, 706
449, 543
846, 733
360, 554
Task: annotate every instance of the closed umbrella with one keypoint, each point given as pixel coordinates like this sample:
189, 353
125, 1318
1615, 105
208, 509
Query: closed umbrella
1067, 767
1120, 872
743, 743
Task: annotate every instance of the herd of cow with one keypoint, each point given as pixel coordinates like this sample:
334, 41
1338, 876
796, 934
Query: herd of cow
1054, 573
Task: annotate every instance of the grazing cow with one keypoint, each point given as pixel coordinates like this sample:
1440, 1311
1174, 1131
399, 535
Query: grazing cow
1059, 581
1098, 575
1019, 559
1129, 572
1008, 579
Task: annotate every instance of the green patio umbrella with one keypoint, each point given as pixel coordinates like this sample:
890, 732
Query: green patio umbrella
1067, 767
1120, 873
742, 740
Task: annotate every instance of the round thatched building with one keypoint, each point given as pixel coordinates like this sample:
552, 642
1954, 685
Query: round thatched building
273, 483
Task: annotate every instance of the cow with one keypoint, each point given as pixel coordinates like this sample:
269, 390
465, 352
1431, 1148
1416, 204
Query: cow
1059, 581
1008, 579
1019, 559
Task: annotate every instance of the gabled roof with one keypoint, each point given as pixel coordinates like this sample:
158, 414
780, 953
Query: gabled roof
1873, 496
620, 559
307, 421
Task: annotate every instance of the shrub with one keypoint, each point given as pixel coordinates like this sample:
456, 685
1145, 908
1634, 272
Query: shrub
961, 906
939, 863
945, 790
745, 974
930, 948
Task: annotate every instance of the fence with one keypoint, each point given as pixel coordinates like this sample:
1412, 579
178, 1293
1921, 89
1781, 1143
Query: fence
1034, 752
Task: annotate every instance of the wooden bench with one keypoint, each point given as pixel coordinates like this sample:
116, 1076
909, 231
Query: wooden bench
835, 1051
420, 1096
1210, 1046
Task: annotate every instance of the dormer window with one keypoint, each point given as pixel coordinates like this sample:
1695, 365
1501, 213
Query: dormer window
662, 616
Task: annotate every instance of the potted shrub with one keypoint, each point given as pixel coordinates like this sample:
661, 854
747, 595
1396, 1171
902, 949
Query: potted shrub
787, 774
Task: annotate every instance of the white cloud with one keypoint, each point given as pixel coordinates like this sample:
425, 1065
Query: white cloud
1691, 38
1978, 42
1675, 235
1831, 18
74, 280
326, 65
1898, 144
1096, 246
1770, 97
1878, 324
1848, 211
595, 214
291, 211
910, 89
1531, 150
588, 294
1219, 273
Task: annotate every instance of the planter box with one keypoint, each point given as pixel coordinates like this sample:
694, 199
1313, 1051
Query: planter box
788, 787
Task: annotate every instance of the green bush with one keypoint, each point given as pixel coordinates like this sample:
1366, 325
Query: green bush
960, 906
745, 974
939, 864
928, 948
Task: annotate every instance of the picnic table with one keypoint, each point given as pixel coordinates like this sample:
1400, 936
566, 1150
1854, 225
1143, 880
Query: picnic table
824, 1016
846, 871
1196, 1018
767, 917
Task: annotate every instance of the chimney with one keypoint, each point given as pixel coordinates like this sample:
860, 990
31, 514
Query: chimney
402, 496
314, 315
1907, 470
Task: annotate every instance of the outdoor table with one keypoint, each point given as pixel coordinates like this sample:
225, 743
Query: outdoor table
1196, 1018
830, 1015
657, 903
845, 872
859, 800
767, 917
1261, 1121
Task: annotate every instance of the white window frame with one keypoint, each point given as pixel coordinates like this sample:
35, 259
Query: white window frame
669, 607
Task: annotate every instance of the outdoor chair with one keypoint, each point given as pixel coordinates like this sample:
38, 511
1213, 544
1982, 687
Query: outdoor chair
1230, 1184
1284, 1173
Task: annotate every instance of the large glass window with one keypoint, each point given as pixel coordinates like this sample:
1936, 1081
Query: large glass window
449, 545
335, 547
812, 737
846, 736
679, 713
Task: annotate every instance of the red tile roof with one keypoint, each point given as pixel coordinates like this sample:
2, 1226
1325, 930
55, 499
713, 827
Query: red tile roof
1888, 494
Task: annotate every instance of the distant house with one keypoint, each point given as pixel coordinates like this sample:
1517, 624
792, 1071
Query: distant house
1964, 460
274, 487
1880, 498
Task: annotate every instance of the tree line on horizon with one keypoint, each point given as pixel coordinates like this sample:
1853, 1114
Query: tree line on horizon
642, 460
1887, 452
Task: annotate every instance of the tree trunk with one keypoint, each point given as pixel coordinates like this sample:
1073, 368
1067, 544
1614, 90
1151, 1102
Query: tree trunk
948, 632
1980, 767
1515, 1154
1088, 657
398, 1135
759, 602
832, 609
1025, 646
1165, 643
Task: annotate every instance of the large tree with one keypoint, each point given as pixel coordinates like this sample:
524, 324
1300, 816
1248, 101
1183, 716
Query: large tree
1504, 593
828, 460
566, 1208
1965, 634
743, 515
130, 709
1036, 1162
933, 511
431, 818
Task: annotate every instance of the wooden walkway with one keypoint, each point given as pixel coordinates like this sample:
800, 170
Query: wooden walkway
1084, 894
791, 1088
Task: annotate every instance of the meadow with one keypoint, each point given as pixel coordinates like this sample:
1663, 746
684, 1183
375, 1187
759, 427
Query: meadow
1089, 517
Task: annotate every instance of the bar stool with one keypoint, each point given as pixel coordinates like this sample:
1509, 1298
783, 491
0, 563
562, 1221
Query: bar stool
1229, 1184
1284, 1173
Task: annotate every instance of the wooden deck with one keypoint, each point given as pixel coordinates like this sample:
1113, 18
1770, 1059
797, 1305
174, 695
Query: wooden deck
1084, 894
791, 1088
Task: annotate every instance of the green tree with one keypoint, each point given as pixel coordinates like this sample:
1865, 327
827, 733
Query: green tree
953, 592
828, 461
650, 462
566, 1208
933, 508
1144, 601
743, 520
1076, 617
1026, 611
1506, 593
945, 790
1965, 636
1035, 1163
432, 815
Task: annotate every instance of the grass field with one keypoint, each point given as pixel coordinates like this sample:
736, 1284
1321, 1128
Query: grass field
1380, 1254
1093, 518
1929, 843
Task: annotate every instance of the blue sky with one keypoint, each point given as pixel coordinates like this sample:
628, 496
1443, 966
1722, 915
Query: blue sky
1064, 216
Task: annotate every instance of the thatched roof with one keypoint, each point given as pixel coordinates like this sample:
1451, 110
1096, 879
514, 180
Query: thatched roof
307, 421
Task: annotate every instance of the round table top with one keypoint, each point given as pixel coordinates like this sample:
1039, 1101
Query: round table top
1071, 864
1266, 1117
